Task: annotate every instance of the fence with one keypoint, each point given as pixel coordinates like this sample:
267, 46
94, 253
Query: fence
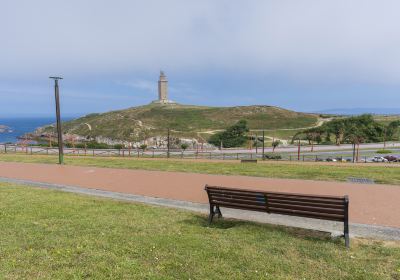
156, 153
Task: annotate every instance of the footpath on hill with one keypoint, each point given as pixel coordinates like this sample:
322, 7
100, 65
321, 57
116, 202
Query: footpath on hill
370, 204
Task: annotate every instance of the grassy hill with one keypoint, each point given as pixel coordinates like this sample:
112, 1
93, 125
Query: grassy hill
184, 120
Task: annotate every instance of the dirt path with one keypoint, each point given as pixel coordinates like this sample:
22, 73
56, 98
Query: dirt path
369, 204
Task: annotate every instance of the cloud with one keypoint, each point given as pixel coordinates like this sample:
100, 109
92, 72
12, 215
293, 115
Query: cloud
142, 85
307, 54
302, 40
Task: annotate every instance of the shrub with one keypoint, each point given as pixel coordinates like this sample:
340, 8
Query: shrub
143, 147
384, 151
272, 156
184, 146
96, 145
234, 136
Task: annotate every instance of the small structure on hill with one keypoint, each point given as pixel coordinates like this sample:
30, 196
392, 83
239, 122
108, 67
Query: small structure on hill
163, 90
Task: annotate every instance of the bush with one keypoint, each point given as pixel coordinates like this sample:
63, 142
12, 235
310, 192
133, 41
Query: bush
184, 146
118, 146
383, 151
143, 147
69, 145
234, 136
272, 156
96, 145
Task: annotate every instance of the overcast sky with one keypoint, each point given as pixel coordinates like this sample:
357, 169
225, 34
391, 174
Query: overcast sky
303, 55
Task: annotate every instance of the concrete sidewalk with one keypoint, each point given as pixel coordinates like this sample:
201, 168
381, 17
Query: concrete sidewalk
335, 228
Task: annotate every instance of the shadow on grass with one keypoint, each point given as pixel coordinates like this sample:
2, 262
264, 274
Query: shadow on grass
220, 223
228, 223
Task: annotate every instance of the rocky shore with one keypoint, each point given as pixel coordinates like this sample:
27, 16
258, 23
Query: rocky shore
5, 129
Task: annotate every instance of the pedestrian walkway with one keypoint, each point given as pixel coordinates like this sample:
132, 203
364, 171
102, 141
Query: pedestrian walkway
370, 204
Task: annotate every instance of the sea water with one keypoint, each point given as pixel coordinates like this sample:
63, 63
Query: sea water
20, 126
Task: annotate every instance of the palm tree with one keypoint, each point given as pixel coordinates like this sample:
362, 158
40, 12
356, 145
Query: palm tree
355, 135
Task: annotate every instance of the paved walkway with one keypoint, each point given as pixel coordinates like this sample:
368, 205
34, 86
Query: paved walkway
369, 204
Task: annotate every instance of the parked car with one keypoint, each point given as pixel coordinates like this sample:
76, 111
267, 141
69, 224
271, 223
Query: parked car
391, 158
379, 159
331, 159
340, 159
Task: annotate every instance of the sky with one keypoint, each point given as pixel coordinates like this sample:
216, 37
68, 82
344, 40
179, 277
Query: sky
303, 55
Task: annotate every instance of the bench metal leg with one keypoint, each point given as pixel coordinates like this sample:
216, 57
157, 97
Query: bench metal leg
211, 216
219, 212
347, 240
346, 234
346, 222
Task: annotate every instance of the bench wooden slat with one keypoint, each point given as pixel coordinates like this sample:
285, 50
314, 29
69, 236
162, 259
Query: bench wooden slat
306, 198
306, 208
306, 214
242, 206
235, 196
302, 200
307, 203
249, 193
243, 201
249, 198
244, 196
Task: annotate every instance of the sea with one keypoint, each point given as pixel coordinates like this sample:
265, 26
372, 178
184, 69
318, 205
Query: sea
20, 126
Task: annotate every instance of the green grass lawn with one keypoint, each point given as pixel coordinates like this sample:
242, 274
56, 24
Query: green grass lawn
313, 171
55, 235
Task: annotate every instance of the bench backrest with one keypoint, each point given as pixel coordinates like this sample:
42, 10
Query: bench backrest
325, 207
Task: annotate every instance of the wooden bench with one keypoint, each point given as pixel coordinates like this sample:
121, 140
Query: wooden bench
248, 161
332, 208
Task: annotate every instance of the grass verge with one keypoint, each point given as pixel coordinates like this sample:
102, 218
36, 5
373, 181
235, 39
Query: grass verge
312, 171
54, 235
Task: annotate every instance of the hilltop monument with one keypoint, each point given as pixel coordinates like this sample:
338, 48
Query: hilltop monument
163, 90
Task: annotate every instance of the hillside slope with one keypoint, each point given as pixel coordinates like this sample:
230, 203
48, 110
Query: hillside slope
184, 120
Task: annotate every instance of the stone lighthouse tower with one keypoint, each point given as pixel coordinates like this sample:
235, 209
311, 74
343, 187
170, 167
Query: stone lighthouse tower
163, 90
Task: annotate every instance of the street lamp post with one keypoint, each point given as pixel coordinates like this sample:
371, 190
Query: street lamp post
263, 144
168, 142
58, 116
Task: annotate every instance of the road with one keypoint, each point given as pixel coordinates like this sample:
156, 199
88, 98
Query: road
323, 151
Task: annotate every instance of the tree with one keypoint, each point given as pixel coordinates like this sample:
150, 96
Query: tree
275, 144
143, 147
341, 128
234, 136
392, 130
184, 146
313, 135
356, 135
337, 128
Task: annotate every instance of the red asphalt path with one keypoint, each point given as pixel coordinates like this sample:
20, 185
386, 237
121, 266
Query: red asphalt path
369, 203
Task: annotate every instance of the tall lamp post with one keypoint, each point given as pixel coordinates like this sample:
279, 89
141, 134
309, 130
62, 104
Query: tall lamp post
59, 132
